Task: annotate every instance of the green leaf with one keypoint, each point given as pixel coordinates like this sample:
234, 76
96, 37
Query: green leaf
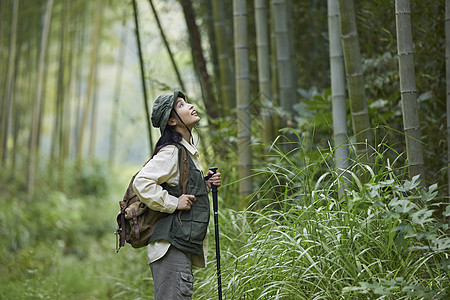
422, 216
447, 211
410, 185
391, 215
442, 244
430, 195
401, 206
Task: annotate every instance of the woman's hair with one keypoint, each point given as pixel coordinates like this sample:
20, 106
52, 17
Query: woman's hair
169, 137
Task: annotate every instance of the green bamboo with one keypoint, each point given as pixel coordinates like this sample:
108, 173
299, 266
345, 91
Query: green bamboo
287, 89
341, 154
142, 68
166, 44
117, 90
355, 79
224, 56
242, 98
91, 80
200, 65
5, 118
408, 89
263, 57
37, 110
447, 67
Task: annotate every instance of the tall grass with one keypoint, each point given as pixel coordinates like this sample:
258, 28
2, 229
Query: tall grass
382, 240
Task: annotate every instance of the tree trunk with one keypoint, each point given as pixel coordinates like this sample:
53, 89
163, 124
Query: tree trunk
408, 89
142, 67
274, 76
166, 43
287, 89
243, 99
447, 67
93, 122
355, 79
338, 90
37, 111
56, 144
91, 80
17, 110
198, 58
80, 22
226, 88
263, 56
9, 84
67, 115
3, 54
117, 90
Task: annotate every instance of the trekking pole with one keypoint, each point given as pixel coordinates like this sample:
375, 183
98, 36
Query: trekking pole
216, 232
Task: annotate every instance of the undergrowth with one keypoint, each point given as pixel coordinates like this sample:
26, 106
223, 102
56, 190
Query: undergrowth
383, 238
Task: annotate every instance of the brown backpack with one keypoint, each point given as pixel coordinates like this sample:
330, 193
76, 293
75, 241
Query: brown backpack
135, 220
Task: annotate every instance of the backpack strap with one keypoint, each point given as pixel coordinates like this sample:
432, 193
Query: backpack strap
184, 167
183, 164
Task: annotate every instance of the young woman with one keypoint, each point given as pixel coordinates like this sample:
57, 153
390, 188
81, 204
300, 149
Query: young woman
180, 238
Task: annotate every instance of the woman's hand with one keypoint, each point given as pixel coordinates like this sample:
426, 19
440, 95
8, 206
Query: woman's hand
215, 179
185, 202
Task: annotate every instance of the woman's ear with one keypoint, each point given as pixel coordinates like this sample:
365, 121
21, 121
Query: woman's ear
171, 122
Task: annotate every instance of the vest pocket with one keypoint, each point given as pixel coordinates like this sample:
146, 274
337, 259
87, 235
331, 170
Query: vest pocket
192, 225
200, 221
181, 227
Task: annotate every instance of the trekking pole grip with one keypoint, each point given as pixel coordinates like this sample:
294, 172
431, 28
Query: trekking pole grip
214, 170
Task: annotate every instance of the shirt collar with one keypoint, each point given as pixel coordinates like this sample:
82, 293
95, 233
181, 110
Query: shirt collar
189, 147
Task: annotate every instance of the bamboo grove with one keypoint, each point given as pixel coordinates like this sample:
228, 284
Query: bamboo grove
257, 65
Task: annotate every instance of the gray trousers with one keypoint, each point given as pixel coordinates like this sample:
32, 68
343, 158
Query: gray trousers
172, 276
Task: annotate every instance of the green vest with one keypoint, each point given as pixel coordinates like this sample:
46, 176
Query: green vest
186, 229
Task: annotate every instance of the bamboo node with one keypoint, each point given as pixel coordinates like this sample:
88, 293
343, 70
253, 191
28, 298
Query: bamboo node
405, 53
349, 35
406, 12
355, 74
411, 128
360, 113
408, 92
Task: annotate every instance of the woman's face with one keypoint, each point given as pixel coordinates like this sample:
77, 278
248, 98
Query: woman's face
186, 112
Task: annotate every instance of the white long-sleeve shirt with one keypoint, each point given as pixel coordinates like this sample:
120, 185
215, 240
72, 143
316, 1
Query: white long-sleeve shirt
163, 167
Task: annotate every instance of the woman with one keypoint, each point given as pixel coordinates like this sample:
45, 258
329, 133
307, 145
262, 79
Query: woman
179, 239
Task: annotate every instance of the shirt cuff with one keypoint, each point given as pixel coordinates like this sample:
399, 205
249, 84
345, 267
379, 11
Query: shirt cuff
171, 204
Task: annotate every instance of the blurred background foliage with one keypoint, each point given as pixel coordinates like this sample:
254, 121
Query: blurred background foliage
58, 242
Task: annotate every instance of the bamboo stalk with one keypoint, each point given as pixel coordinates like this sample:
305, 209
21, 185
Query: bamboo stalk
447, 67
408, 89
142, 68
91, 81
166, 44
263, 58
9, 84
337, 71
199, 61
224, 57
287, 93
37, 111
355, 80
243, 99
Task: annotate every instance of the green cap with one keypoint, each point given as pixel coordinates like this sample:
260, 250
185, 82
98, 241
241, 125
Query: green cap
162, 107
